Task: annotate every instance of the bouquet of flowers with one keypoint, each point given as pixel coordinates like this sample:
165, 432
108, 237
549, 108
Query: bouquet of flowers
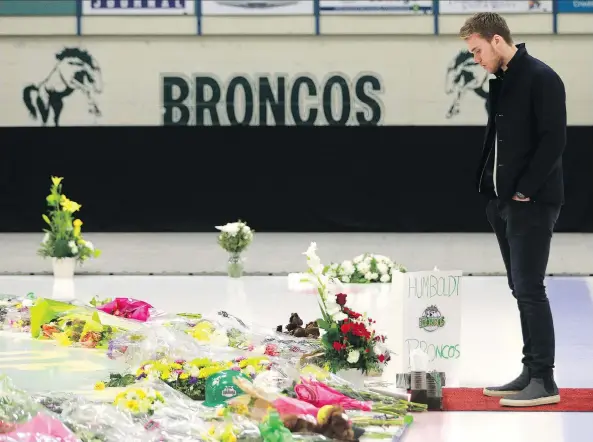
63, 237
349, 342
80, 330
14, 312
235, 238
139, 401
22, 419
69, 324
127, 308
188, 377
364, 269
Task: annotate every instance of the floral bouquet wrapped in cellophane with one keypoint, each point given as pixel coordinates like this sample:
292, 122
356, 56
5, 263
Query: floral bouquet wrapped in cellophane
189, 376
70, 325
22, 419
153, 341
94, 420
14, 312
178, 419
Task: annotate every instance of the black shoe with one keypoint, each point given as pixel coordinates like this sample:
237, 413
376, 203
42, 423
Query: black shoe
512, 387
538, 392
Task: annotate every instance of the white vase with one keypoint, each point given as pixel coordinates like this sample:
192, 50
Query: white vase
63, 267
63, 288
355, 377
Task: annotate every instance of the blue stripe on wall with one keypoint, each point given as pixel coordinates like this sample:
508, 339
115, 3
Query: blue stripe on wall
38, 7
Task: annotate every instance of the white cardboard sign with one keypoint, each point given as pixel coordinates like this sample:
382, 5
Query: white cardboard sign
432, 319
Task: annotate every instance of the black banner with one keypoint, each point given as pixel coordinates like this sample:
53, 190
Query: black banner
278, 179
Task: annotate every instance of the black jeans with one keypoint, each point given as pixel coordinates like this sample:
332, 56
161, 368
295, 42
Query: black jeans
524, 232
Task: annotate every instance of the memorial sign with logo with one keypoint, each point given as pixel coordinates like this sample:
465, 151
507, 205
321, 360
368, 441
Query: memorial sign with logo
432, 319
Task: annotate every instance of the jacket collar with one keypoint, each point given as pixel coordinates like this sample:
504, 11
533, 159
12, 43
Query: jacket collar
516, 60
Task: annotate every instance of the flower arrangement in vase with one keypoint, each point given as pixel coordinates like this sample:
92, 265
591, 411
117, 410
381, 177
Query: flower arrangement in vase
350, 342
63, 241
235, 238
365, 269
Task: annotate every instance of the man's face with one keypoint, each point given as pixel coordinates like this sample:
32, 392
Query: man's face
485, 52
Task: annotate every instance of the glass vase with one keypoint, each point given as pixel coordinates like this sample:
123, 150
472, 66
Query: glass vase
235, 265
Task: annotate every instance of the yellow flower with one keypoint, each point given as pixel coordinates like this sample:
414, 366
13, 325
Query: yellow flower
56, 180
77, 225
100, 386
132, 405
183, 376
69, 205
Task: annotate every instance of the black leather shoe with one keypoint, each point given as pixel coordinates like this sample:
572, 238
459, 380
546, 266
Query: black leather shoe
512, 387
538, 392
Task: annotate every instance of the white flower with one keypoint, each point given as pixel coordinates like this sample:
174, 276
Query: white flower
347, 268
89, 245
230, 228
45, 238
358, 259
333, 308
345, 279
340, 316
363, 267
353, 356
385, 278
73, 247
383, 268
313, 260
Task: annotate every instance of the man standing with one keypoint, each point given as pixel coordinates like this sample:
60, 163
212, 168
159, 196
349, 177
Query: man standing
521, 173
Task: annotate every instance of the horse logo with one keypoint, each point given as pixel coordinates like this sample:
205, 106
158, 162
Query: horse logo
465, 75
75, 70
431, 319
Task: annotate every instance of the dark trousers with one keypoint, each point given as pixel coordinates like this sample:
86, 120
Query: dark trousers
524, 232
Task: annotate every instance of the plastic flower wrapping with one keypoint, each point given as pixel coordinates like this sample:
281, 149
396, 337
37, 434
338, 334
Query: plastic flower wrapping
183, 335
70, 325
15, 314
23, 420
126, 308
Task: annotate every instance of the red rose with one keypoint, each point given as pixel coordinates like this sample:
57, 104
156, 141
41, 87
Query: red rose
341, 299
381, 358
346, 327
338, 347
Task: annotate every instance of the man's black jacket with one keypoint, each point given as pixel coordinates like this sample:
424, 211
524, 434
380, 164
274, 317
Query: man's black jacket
527, 112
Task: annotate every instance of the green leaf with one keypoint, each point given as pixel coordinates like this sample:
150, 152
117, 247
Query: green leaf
323, 324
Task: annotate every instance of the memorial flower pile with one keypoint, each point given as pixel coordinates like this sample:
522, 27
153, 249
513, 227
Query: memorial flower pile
350, 341
365, 269
63, 237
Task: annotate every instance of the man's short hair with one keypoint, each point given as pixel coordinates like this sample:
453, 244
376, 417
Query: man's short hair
486, 25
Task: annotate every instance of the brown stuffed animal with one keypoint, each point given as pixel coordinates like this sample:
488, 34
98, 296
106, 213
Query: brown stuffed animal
337, 426
334, 425
312, 330
294, 322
